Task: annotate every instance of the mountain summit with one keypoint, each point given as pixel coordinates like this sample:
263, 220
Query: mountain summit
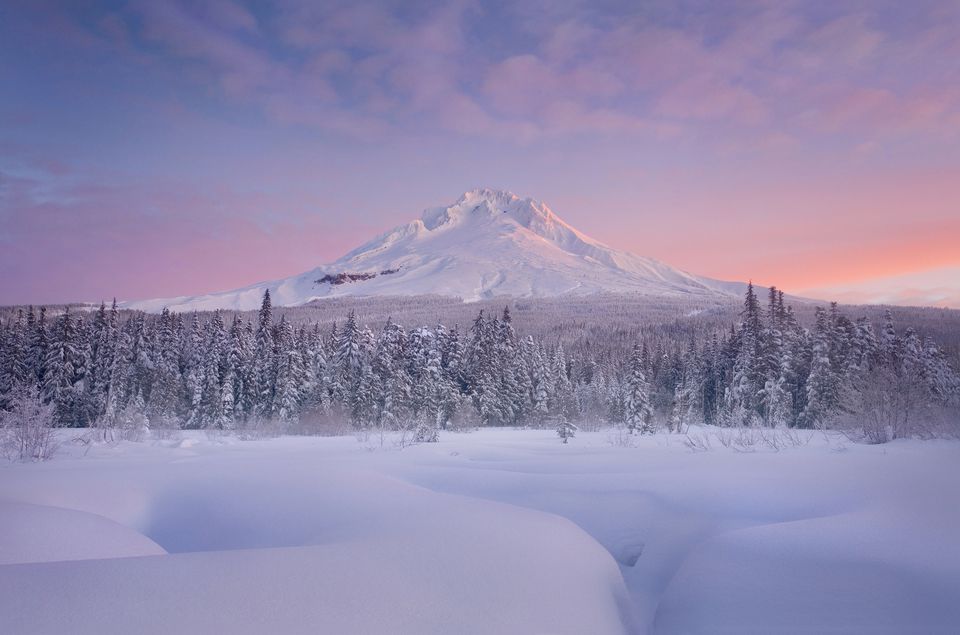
489, 243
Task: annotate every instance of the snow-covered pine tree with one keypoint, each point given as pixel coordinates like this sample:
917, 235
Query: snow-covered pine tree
116, 398
565, 429
823, 386
452, 356
317, 388
888, 343
687, 391
541, 382
37, 346
451, 364
210, 414
265, 372
477, 353
942, 380
349, 362
742, 397
511, 394
63, 372
244, 359
164, 399
521, 387
637, 402
562, 399
99, 364
193, 367
290, 375
14, 366
865, 346
233, 376
362, 408
431, 413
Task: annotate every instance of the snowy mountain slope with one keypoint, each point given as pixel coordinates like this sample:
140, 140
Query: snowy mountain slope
489, 243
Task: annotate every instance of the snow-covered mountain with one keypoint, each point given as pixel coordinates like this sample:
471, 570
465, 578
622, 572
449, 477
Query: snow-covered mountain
489, 243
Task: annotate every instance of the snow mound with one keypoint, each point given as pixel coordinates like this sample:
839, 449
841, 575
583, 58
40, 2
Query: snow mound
39, 533
403, 586
489, 243
280, 542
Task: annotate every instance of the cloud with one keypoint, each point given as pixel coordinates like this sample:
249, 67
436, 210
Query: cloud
706, 98
931, 287
379, 68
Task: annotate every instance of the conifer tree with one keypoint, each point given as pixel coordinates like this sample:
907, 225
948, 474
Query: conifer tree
161, 407
37, 346
64, 371
264, 374
541, 383
210, 411
822, 383
350, 361
565, 429
637, 403
290, 375
15, 373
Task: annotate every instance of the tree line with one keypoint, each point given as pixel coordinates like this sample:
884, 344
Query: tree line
121, 370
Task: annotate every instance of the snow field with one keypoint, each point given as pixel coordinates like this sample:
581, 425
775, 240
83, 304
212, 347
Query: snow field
499, 530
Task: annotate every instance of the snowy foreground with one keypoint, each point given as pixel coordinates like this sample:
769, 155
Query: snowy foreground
496, 531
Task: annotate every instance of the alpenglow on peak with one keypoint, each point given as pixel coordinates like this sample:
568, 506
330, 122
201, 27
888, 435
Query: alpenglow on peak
488, 243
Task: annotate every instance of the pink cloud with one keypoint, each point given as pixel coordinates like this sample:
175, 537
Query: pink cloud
239, 67
525, 84
707, 98
927, 111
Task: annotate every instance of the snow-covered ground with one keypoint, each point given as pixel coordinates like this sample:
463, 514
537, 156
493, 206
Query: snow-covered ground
495, 531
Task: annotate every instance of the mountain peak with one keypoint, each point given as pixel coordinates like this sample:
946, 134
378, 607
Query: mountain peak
488, 243
501, 206
488, 194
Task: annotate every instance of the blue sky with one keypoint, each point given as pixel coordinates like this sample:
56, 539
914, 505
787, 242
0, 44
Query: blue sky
813, 145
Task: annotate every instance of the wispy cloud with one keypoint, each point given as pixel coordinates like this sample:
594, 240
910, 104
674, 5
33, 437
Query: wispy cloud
217, 112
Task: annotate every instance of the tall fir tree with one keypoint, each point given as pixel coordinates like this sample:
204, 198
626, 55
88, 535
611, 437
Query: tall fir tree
637, 402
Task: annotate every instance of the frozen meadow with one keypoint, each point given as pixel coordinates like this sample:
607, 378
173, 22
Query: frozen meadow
493, 531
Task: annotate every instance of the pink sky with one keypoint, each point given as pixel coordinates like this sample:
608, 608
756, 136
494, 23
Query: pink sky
155, 149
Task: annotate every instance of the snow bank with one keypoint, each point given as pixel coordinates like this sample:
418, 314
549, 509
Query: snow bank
38, 533
501, 575
279, 540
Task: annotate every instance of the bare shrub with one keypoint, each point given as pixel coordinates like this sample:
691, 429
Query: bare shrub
26, 430
322, 423
698, 442
464, 418
165, 433
753, 438
164, 428
130, 424
793, 437
888, 405
407, 436
592, 424
619, 436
